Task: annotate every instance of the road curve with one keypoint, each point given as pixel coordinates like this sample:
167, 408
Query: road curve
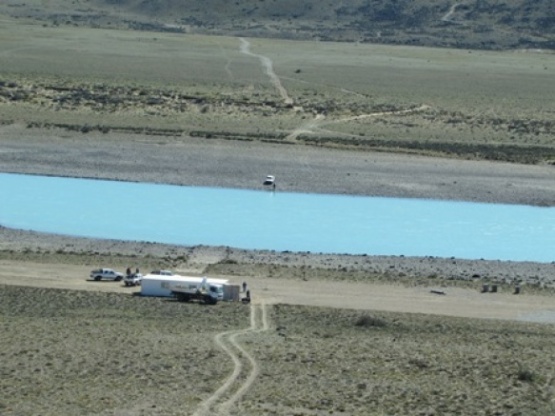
219, 403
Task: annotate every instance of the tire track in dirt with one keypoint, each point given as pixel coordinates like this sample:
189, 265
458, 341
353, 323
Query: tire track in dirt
227, 64
216, 404
320, 121
308, 127
269, 67
447, 16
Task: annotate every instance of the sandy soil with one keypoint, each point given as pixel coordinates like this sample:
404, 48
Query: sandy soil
451, 301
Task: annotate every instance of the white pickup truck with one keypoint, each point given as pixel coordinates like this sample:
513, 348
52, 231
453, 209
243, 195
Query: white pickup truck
133, 279
106, 274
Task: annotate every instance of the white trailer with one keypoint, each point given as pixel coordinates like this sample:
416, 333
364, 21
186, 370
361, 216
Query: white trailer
160, 285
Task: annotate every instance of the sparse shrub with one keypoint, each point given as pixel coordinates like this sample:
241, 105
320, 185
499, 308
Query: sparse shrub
525, 374
228, 261
370, 321
419, 363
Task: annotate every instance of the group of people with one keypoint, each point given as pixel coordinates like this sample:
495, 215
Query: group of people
128, 272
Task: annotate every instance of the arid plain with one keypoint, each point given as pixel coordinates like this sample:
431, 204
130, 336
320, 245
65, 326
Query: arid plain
333, 335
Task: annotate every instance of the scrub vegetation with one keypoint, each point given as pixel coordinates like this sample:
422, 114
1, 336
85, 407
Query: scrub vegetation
72, 352
478, 86
444, 102
474, 24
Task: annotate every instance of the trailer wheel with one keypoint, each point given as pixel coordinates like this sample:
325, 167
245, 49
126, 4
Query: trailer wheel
210, 300
182, 297
97, 278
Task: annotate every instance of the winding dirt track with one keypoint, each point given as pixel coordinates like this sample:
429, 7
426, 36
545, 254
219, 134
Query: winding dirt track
319, 120
220, 403
450, 13
269, 67
314, 125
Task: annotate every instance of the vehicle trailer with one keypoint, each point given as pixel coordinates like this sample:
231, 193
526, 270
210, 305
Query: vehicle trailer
201, 296
161, 285
208, 293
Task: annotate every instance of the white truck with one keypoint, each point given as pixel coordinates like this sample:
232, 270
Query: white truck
133, 279
106, 274
202, 291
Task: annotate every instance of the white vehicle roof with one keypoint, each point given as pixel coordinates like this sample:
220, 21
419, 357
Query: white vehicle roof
179, 278
162, 272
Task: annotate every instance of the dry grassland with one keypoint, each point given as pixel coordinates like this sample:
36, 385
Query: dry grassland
485, 24
69, 352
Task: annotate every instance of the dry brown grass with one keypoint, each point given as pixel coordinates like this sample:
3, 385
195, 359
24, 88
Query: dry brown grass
70, 352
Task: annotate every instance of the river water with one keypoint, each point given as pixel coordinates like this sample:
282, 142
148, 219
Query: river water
276, 220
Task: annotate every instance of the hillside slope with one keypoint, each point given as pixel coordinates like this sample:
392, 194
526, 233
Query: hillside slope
473, 24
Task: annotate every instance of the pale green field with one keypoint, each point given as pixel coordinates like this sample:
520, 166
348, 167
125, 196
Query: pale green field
207, 86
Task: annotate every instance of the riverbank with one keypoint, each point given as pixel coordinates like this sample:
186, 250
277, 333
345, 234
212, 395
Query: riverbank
244, 164
197, 162
227, 260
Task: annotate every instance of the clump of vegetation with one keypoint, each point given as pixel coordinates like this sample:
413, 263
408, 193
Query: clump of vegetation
525, 374
370, 321
228, 261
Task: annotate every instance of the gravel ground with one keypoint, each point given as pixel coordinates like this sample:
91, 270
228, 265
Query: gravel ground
239, 164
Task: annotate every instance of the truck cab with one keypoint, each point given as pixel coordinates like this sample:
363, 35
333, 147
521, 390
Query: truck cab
202, 291
217, 291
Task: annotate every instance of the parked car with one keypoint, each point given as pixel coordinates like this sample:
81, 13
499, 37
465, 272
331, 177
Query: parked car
162, 272
107, 274
270, 180
133, 279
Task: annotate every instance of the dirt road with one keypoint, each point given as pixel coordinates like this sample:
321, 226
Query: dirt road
362, 296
